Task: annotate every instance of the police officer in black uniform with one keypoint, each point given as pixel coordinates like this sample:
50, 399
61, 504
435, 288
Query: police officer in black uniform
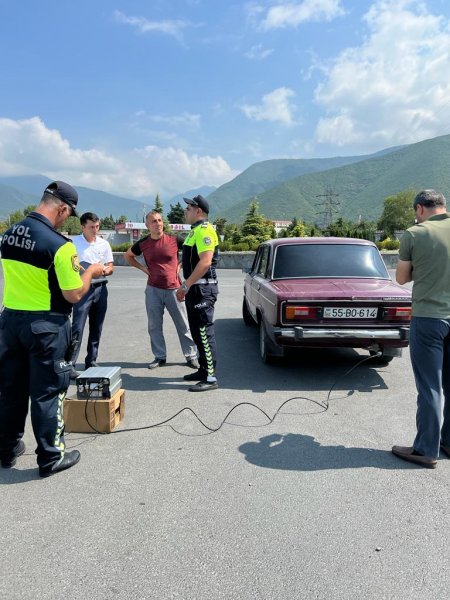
200, 289
41, 282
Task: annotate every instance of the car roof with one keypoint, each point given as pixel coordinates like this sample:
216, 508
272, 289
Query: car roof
317, 240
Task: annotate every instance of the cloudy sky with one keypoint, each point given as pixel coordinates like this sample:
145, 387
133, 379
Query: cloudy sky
138, 97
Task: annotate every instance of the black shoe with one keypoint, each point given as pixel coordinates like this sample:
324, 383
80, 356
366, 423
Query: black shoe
7, 463
92, 364
446, 450
197, 376
192, 363
73, 373
69, 460
158, 362
204, 386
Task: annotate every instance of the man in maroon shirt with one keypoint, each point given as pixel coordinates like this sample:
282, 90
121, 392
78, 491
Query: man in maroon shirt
160, 253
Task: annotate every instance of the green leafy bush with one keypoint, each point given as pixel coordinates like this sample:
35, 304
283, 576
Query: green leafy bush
225, 246
388, 244
122, 247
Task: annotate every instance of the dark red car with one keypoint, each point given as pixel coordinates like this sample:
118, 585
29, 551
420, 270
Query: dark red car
325, 292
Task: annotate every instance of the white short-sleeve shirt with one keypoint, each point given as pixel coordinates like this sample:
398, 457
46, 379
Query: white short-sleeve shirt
98, 251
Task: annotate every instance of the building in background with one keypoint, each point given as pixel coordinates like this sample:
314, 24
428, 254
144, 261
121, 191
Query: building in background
131, 231
280, 225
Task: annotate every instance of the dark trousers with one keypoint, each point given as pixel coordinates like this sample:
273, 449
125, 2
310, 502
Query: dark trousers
200, 302
92, 305
33, 366
430, 359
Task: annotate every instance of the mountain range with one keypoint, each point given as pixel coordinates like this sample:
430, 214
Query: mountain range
355, 190
352, 187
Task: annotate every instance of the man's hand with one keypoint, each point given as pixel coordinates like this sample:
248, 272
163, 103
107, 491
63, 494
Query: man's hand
108, 269
181, 292
92, 272
95, 270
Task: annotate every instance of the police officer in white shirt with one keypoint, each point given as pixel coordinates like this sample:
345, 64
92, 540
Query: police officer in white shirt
91, 248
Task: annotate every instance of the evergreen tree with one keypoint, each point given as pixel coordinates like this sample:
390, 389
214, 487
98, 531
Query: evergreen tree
295, 229
230, 231
255, 224
158, 205
107, 222
176, 214
220, 225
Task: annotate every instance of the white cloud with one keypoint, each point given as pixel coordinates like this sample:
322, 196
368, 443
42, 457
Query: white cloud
170, 27
293, 14
257, 52
29, 147
275, 106
184, 119
394, 88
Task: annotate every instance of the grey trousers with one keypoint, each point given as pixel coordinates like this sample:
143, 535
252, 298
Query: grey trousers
430, 359
156, 300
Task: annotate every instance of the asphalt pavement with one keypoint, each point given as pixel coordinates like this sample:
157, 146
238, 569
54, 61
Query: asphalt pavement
311, 506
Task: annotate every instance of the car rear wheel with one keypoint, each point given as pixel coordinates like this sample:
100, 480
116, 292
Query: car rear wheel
265, 345
380, 360
246, 315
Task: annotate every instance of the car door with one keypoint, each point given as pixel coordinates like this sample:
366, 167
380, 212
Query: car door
259, 277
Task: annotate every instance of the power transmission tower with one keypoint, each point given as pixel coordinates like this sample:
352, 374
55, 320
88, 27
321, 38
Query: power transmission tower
330, 206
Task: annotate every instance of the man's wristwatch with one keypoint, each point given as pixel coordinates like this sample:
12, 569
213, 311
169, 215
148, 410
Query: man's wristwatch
184, 286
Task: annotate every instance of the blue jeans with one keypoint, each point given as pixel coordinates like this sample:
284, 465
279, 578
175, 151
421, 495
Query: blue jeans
430, 358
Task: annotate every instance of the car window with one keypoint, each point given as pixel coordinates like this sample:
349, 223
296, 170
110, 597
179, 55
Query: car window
328, 260
261, 268
256, 260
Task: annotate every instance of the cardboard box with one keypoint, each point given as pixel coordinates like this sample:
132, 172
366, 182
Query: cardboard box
103, 414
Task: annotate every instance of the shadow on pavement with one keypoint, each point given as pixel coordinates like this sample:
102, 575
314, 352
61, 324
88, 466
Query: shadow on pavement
239, 367
296, 452
14, 476
314, 369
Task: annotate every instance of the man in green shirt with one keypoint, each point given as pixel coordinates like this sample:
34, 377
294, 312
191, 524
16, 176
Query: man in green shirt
424, 259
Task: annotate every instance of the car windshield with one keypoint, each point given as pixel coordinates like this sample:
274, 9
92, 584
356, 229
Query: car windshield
328, 260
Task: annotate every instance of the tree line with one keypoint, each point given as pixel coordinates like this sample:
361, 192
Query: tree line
397, 215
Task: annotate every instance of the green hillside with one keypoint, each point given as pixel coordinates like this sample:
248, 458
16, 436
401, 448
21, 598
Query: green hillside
18, 192
12, 199
285, 188
104, 204
360, 187
268, 174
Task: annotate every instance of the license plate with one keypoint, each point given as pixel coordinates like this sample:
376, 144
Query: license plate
339, 312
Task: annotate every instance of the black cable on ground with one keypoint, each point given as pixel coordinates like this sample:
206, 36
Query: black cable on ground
325, 405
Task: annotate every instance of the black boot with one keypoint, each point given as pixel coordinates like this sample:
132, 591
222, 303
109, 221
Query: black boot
69, 460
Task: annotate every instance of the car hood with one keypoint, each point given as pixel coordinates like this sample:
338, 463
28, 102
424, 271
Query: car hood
340, 289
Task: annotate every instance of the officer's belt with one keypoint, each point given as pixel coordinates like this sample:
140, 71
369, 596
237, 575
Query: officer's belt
36, 313
97, 283
205, 281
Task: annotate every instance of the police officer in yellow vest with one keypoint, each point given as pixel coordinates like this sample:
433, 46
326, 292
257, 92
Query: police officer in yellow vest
199, 290
41, 282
